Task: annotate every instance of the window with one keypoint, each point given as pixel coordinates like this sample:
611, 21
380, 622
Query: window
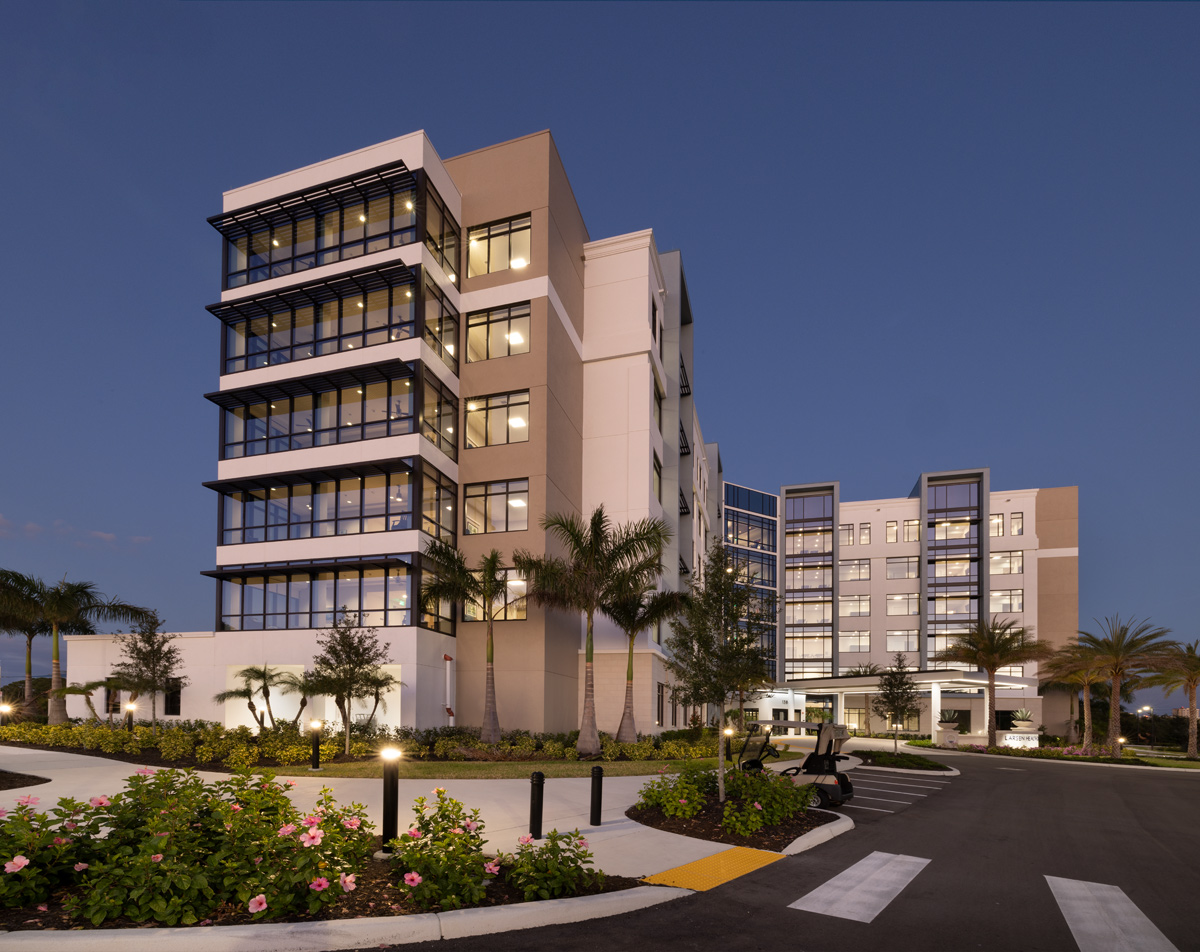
441, 324
439, 416
856, 717
748, 531
807, 669
954, 568
438, 496
904, 567
902, 641
307, 509
814, 647
298, 599
854, 570
442, 234
656, 479
953, 606
498, 246
1006, 563
854, 641
864, 533
1012, 671
912, 530
808, 576
996, 524
1016, 524
753, 568
809, 543
661, 705
112, 701
658, 402
851, 606
172, 697
904, 605
741, 498
893, 531
816, 612
509, 606
496, 507
500, 332
500, 418
846, 535
259, 333
1007, 600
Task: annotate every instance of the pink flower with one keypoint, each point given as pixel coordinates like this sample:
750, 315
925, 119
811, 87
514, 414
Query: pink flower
258, 903
412, 879
266, 786
583, 844
236, 808
69, 825
312, 821
524, 839
683, 801
348, 884
415, 833
156, 858
28, 801
352, 824
59, 841
471, 825
491, 868
437, 790
42, 907
257, 860
457, 829
3, 812
100, 801
757, 805
287, 829
16, 864
80, 867
319, 884
312, 837
145, 771
290, 783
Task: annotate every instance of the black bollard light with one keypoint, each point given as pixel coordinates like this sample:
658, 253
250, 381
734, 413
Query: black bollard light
597, 793
314, 727
129, 709
5, 710
391, 795
537, 783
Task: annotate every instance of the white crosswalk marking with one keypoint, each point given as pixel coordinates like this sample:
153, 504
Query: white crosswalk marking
1103, 919
864, 890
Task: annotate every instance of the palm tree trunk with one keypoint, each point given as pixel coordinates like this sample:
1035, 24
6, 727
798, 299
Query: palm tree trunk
627, 732
1191, 754
991, 711
1087, 719
588, 744
1071, 716
343, 706
91, 707
303, 705
1114, 715
57, 706
490, 734
266, 693
28, 675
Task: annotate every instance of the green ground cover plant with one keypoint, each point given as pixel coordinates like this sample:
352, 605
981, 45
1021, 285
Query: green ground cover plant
753, 800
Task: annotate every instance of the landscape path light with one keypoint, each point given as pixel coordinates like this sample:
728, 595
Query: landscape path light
5, 710
391, 795
129, 709
314, 727
728, 743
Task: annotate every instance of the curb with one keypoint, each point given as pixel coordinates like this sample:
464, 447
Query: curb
822, 834
949, 772
337, 934
1069, 763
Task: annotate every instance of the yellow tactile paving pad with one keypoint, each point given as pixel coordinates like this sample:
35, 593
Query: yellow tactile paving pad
713, 871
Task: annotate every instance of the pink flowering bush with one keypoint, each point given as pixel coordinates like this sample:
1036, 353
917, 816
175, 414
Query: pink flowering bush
440, 861
560, 866
40, 850
676, 794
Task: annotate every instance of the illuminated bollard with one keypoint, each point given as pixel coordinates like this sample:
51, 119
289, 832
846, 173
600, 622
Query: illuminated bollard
391, 795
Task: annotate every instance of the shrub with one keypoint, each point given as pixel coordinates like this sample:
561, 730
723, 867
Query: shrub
175, 744
439, 862
40, 850
241, 757
676, 794
559, 867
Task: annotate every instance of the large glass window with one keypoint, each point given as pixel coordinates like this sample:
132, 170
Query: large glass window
500, 332
808, 576
912, 530
749, 531
439, 416
902, 641
496, 507
850, 606
500, 418
510, 606
441, 325
1007, 600
846, 534
498, 246
291, 598
864, 533
1006, 563
996, 524
818, 611
344, 506
810, 542
742, 498
854, 641
854, 570
442, 234
893, 531
904, 604
904, 567
753, 568
1016, 524
437, 505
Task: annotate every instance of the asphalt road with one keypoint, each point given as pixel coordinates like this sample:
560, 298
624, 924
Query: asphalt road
963, 869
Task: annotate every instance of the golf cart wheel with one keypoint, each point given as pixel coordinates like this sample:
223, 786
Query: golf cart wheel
819, 798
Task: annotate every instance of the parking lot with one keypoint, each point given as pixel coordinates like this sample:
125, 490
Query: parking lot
879, 793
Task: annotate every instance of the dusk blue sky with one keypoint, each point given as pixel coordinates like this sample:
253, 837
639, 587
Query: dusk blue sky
917, 237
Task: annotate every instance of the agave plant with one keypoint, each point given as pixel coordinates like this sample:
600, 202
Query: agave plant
945, 717
1022, 714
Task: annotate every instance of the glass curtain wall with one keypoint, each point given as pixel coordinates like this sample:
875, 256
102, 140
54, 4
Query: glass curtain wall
808, 584
953, 558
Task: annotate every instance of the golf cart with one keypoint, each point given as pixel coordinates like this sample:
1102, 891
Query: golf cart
830, 787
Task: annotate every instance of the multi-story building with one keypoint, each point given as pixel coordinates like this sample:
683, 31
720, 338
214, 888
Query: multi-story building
412, 349
751, 531
863, 581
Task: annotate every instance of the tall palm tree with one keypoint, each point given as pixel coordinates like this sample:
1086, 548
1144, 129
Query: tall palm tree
1124, 651
1074, 669
450, 580
60, 606
1181, 671
635, 613
302, 684
864, 670
602, 563
247, 692
990, 646
261, 678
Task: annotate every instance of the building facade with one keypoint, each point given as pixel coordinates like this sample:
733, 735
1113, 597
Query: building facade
412, 349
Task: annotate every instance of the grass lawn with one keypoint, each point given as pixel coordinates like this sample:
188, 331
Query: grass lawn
500, 770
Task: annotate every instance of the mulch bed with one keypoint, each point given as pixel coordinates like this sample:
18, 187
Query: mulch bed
375, 895
10, 780
152, 758
706, 825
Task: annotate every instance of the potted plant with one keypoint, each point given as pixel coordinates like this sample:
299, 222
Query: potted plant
1022, 718
948, 720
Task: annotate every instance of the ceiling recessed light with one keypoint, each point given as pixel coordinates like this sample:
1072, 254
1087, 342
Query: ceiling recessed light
362, 217
275, 242
514, 337
518, 262
360, 303
451, 279
472, 406
516, 422
517, 503
408, 205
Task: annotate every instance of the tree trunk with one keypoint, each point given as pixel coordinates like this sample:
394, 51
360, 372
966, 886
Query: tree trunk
374, 708
490, 734
991, 711
1191, 754
1087, 719
254, 713
895, 738
343, 706
57, 706
1071, 717
91, 707
721, 755
1114, 715
154, 713
303, 705
266, 693
627, 732
588, 744
29, 675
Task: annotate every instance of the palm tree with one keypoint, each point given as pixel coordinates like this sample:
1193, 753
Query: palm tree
867, 669
450, 580
245, 693
990, 646
1074, 668
86, 691
1181, 671
262, 678
302, 684
60, 606
635, 613
602, 564
1125, 650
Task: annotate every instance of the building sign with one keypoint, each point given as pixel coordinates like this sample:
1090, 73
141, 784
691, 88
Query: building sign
1020, 740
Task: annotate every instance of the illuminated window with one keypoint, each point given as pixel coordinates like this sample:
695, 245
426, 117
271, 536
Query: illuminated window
509, 606
902, 641
1006, 563
912, 530
500, 332
498, 246
854, 570
864, 533
904, 604
1016, 524
854, 641
500, 418
996, 524
893, 531
846, 534
851, 606
904, 567
496, 507
1007, 600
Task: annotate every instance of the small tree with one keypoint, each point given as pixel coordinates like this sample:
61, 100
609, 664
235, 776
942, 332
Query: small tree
150, 662
716, 642
897, 697
349, 667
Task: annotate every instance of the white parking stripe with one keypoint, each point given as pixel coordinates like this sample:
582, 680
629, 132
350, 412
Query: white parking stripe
1103, 919
855, 806
907, 803
859, 786
864, 890
900, 783
881, 772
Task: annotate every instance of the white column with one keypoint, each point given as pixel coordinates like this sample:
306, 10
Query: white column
791, 709
935, 705
986, 702
839, 708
